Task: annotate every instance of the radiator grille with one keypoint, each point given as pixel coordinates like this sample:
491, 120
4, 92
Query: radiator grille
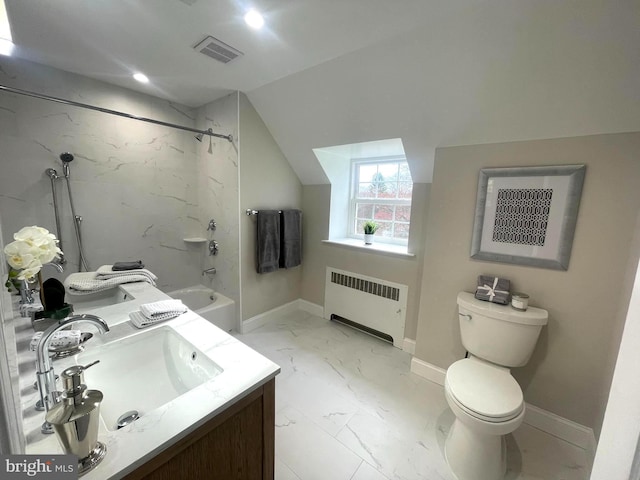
378, 289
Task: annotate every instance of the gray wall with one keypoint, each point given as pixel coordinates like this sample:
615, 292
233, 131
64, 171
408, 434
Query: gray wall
316, 201
267, 182
570, 371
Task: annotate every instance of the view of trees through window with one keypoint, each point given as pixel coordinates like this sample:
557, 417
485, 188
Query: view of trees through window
382, 193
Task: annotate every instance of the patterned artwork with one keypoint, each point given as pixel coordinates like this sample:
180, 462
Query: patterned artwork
522, 215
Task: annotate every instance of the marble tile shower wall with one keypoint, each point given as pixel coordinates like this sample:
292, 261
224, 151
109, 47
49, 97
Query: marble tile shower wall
218, 196
135, 184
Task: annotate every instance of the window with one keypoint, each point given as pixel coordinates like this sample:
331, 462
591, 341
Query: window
381, 191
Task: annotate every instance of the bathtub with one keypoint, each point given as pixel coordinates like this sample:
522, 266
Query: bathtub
212, 306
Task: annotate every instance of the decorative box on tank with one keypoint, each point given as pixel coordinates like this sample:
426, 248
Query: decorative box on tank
493, 289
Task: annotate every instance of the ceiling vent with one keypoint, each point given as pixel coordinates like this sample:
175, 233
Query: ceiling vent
217, 50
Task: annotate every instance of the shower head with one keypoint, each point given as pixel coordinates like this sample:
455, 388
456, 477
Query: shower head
199, 137
66, 157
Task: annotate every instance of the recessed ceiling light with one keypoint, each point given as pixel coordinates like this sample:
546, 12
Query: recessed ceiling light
141, 77
254, 19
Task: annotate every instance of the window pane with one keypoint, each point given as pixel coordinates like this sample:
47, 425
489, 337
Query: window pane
364, 210
401, 230
366, 171
403, 214
389, 171
366, 190
405, 189
387, 190
405, 174
383, 212
384, 229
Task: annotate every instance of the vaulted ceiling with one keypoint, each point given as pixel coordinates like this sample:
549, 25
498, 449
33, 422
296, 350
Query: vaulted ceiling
332, 72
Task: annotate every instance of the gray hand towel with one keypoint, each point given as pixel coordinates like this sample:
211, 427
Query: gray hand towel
290, 238
268, 241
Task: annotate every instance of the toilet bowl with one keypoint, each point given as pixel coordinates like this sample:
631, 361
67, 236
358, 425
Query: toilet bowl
488, 404
486, 400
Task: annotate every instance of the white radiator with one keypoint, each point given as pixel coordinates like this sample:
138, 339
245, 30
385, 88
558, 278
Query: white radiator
373, 305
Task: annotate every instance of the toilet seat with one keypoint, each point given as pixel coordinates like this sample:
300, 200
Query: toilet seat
484, 391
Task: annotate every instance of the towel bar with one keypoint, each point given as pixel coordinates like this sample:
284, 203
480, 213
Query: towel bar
250, 211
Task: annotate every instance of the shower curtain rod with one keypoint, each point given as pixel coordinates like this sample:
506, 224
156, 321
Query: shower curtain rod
112, 112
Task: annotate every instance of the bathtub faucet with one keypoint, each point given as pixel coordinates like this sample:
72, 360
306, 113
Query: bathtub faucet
209, 271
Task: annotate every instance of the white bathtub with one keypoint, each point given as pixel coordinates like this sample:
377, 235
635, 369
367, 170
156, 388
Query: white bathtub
218, 309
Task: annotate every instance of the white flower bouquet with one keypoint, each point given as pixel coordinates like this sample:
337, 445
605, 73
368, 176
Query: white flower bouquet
33, 247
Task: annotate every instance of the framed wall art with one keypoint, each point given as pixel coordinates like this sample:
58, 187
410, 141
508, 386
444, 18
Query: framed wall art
527, 215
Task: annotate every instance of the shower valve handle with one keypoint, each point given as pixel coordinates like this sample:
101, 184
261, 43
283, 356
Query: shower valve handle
213, 247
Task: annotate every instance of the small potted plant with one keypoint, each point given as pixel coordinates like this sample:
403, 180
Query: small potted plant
369, 228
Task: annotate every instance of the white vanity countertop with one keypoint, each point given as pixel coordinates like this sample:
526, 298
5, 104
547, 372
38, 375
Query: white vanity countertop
244, 370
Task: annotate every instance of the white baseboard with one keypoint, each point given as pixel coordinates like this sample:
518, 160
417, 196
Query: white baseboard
560, 427
409, 346
548, 422
428, 371
312, 308
261, 319
257, 321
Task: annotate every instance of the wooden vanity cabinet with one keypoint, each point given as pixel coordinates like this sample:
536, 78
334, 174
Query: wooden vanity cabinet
238, 444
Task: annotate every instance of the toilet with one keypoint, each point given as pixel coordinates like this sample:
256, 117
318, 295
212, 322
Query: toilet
486, 400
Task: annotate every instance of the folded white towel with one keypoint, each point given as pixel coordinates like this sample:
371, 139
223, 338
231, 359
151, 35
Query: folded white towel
84, 283
162, 310
106, 271
140, 321
62, 339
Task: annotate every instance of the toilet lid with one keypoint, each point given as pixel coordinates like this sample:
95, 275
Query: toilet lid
484, 389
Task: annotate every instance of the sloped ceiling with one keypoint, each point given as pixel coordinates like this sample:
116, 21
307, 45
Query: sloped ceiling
324, 73
492, 72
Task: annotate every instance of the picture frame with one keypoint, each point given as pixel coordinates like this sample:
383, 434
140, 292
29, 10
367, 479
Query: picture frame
527, 215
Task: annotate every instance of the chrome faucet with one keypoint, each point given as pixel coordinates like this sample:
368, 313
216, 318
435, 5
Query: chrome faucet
26, 293
44, 370
209, 271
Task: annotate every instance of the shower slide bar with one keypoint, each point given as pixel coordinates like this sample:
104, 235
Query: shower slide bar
42, 96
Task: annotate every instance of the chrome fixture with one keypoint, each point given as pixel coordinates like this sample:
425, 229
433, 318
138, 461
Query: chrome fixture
201, 134
41, 96
212, 225
44, 370
214, 247
209, 271
251, 211
53, 176
26, 299
27, 302
67, 158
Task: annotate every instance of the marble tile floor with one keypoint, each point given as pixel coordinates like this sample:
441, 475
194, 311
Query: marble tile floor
348, 408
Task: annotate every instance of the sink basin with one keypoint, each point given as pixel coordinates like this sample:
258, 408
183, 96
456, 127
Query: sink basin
145, 371
87, 303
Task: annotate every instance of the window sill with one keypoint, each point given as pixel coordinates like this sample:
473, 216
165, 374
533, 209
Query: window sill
376, 248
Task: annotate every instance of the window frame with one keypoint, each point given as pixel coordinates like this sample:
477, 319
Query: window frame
354, 200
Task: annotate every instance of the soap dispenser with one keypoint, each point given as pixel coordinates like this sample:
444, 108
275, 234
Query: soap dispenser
75, 419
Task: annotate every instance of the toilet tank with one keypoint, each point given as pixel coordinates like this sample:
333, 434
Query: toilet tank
499, 333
